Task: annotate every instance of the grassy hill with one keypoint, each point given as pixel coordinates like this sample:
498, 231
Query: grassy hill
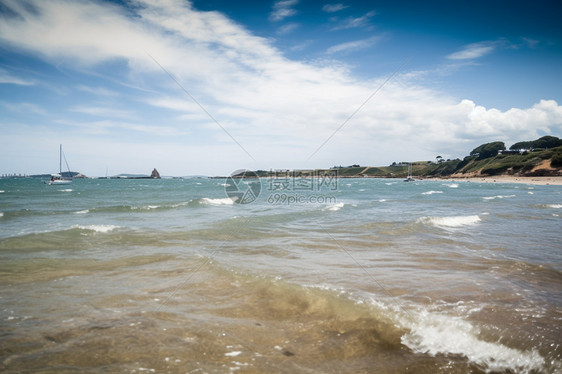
535, 163
489, 159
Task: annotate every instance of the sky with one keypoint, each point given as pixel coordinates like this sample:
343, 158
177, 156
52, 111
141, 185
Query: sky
207, 87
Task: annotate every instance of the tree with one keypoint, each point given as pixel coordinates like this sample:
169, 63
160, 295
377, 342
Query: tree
488, 150
547, 142
439, 159
543, 142
521, 145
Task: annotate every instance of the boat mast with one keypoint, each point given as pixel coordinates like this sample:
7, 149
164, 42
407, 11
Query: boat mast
60, 159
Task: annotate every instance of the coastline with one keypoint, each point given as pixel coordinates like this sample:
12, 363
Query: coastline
541, 181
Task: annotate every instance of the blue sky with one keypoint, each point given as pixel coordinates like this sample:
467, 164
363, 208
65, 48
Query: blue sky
211, 86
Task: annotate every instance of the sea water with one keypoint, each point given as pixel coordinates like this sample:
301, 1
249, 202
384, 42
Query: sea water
372, 275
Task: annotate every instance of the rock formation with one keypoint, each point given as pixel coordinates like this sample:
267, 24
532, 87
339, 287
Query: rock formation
155, 174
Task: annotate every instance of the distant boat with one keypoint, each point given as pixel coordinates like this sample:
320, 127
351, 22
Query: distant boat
409, 177
58, 178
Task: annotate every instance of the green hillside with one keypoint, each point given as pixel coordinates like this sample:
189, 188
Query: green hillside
490, 159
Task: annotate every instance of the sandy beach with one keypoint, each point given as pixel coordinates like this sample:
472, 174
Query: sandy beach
543, 181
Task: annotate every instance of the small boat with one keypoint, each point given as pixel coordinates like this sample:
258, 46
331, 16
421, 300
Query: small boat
409, 177
58, 178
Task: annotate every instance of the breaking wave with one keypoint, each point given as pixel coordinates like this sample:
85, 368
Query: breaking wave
434, 334
431, 192
451, 221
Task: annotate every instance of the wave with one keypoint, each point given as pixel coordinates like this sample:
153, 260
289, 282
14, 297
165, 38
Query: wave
135, 208
66, 190
554, 206
498, 197
73, 237
431, 192
209, 201
434, 334
96, 228
334, 207
451, 221
451, 185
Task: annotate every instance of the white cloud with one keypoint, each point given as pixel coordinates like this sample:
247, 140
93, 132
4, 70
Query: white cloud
98, 111
283, 9
8, 78
353, 46
278, 109
473, 51
288, 28
332, 8
355, 22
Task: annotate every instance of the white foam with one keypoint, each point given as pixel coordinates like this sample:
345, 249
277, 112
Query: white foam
382, 200
451, 221
334, 207
1, 214
2, 191
66, 190
96, 228
452, 185
431, 192
433, 334
554, 206
85, 211
233, 353
225, 201
498, 197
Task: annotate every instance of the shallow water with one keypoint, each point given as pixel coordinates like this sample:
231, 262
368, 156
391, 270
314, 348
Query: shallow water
381, 276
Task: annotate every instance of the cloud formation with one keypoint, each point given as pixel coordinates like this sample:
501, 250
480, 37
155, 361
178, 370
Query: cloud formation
332, 8
355, 22
473, 51
283, 9
278, 109
353, 45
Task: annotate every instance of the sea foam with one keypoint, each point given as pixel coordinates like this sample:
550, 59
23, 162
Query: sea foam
498, 197
225, 201
431, 192
433, 334
334, 207
451, 221
96, 228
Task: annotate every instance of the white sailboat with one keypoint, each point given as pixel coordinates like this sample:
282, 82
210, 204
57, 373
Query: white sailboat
409, 177
58, 178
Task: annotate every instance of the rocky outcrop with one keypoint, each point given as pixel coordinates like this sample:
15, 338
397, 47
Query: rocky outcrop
155, 174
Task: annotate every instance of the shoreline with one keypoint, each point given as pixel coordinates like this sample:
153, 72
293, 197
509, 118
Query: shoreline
540, 181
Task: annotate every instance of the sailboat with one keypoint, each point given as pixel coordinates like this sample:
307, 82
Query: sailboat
409, 177
58, 178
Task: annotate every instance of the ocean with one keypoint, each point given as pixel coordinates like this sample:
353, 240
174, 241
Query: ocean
350, 276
